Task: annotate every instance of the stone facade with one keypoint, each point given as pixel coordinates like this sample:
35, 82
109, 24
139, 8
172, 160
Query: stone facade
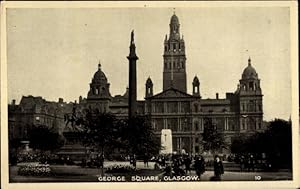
240, 113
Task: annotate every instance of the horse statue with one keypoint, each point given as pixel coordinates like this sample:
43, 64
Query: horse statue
73, 119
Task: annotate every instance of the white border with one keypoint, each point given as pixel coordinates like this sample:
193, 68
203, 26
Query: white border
154, 4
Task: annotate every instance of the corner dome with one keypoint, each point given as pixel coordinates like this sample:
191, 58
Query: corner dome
99, 76
249, 72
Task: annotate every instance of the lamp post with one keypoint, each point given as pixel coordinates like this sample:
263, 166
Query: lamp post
191, 140
187, 123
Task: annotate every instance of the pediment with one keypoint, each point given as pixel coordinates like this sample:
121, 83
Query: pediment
171, 93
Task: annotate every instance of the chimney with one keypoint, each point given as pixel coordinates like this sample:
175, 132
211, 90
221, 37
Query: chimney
13, 102
217, 95
80, 99
61, 100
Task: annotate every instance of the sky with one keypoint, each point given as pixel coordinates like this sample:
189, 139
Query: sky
54, 53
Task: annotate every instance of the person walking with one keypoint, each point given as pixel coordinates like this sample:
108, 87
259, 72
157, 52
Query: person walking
199, 166
251, 163
134, 161
242, 163
218, 168
146, 160
187, 163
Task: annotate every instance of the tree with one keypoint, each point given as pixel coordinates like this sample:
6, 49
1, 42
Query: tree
238, 145
99, 131
279, 136
275, 142
103, 132
212, 139
139, 138
44, 138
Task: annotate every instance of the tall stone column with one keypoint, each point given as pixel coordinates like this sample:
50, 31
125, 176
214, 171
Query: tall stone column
132, 101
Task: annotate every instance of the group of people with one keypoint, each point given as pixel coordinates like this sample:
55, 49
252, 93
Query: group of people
132, 160
182, 165
247, 162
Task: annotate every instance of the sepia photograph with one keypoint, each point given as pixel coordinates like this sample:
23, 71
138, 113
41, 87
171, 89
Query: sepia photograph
158, 93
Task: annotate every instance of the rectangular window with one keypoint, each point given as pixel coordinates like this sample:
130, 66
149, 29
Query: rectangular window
185, 107
197, 149
159, 107
159, 123
243, 124
196, 126
172, 107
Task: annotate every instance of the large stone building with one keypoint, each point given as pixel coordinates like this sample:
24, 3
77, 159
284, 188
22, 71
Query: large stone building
240, 113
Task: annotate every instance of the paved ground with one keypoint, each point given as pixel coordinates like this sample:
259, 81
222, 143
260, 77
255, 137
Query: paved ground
78, 174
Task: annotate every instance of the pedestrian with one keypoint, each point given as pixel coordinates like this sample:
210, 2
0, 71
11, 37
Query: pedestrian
101, 160
218, 168
146, 159
168, 171
187, 163
134, 161
163, 161
242, 163
251, 163
131, 160
177, 169
199, 166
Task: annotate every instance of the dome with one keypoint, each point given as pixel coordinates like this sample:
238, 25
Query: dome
174, 19
249, 72
99, 75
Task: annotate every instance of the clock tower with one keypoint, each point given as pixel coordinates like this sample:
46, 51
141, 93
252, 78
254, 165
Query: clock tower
174, 69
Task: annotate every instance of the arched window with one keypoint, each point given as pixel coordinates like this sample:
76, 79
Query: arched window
96, 91
244, 87
251, 86
102, 90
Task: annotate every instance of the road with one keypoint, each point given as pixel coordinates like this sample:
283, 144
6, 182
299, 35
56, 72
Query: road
79, 174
